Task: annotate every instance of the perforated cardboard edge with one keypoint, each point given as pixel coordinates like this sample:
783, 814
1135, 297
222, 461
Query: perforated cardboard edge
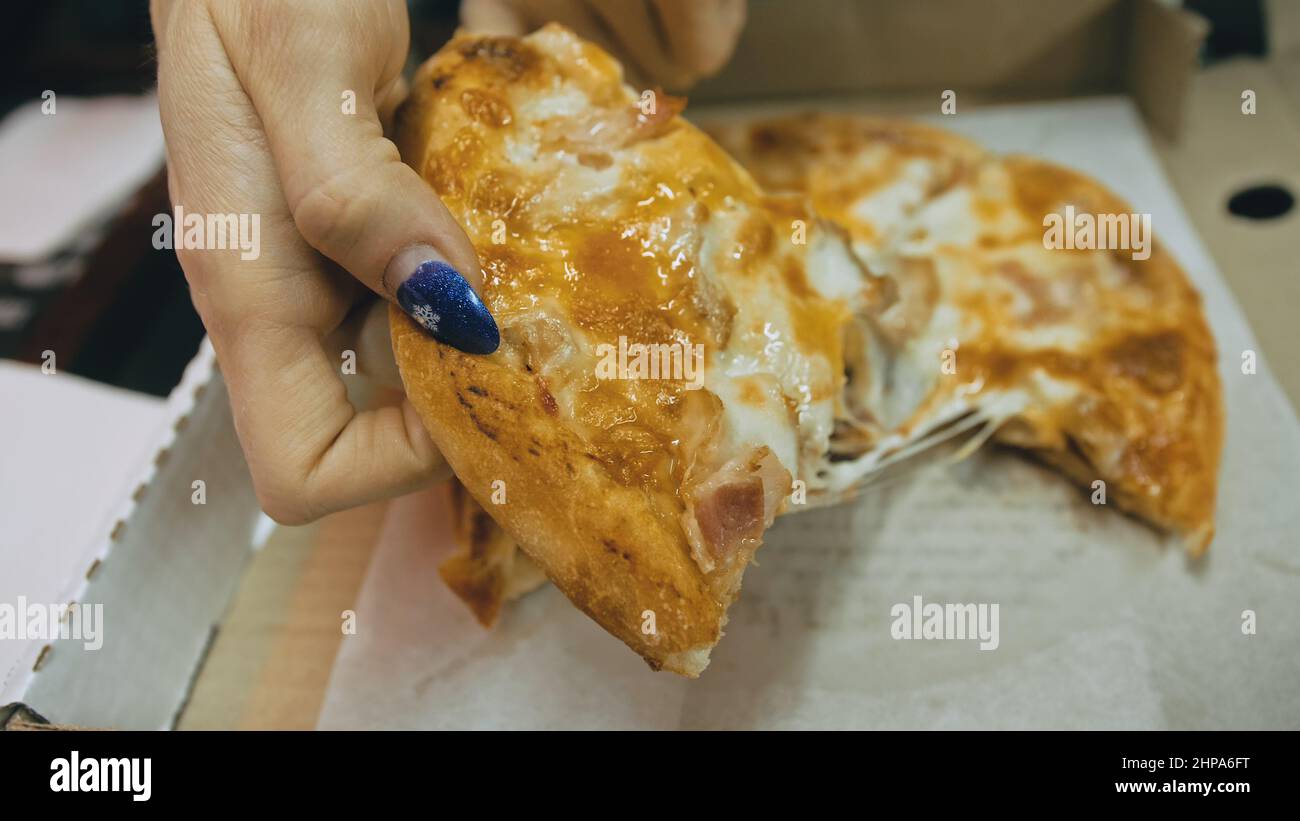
164, 573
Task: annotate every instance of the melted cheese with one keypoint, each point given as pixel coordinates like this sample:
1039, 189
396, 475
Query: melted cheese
1102, 363
597, 220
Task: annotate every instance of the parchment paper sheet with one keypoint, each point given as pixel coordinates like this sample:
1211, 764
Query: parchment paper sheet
1102, 623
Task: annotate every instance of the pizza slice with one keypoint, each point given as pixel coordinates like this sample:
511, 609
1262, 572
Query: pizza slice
1099, 361
488, 571
672, 372
620, 244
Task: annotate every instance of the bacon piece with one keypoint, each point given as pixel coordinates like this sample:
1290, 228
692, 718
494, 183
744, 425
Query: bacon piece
727, 513
647, 126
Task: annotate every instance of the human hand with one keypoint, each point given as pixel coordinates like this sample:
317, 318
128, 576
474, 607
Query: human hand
673, 43
253, 100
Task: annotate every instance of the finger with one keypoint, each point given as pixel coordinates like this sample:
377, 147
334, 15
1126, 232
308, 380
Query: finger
578, 16
311, 452
362, 345
388, 99
701, 35
308, 449
640, 33
500, 17
354, 200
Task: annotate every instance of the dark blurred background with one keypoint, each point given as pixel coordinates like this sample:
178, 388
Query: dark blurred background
121, 312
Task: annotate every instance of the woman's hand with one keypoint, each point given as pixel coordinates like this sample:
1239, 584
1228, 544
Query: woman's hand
274, 109
672, 43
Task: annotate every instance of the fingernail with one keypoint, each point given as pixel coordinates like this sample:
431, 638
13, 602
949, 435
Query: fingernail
437, 297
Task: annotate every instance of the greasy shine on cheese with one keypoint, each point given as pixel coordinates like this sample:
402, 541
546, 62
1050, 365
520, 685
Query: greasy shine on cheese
1097, 362
603, 220
826, 315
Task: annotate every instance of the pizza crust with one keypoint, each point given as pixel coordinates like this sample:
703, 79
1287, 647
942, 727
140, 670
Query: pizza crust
489, 570
596, 539
628, 549
605, 221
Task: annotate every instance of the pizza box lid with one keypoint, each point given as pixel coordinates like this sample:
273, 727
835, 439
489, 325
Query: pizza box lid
1038, 51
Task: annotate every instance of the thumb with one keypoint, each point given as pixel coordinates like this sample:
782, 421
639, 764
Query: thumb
355, 201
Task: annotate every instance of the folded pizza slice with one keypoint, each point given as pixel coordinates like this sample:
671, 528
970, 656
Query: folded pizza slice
1091, 351
672, 372
488, 571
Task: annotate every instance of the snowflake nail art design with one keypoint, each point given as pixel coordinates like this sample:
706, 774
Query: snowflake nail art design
442, 303
426, 316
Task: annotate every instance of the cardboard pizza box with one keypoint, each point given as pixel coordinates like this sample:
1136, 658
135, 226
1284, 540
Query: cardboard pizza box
1224, 153
906, 55
150, 586
222, 634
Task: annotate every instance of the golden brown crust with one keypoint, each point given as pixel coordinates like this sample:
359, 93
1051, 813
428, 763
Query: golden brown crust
595, 538
805, 152
609, 541
603, 220
489, 570
1151, 378
601, 478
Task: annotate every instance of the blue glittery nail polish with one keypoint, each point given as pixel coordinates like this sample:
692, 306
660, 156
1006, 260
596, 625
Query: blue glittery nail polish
441, 301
